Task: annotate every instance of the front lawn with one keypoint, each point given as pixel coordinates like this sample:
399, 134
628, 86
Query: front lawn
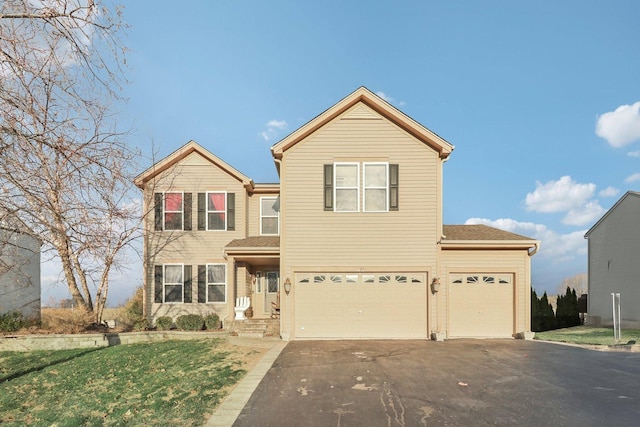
162, 383
589, 335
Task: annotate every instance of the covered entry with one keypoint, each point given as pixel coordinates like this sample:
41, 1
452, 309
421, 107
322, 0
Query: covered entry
481, 305
361, 305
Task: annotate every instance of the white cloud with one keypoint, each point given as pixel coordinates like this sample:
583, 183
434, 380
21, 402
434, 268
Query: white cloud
634, 153
559, 196
273, 126
609, 192
620, 127
583, 215
632, 178
557, 248
389, 99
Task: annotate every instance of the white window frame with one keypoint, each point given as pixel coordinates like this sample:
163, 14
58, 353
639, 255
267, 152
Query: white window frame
207, 283
336, 188
365, 187
165, 211
207, 211
262, 215
164, 283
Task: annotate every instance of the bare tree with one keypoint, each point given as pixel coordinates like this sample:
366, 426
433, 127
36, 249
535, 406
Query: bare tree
65, 168
579, 283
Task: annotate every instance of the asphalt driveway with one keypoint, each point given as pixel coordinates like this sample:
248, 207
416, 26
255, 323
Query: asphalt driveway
453, 383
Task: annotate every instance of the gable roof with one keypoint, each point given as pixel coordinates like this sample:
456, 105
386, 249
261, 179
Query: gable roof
483, 236
181, 153
379, 105
626, 195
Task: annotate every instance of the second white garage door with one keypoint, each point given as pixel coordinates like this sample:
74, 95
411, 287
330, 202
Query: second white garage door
361, 305
481, 305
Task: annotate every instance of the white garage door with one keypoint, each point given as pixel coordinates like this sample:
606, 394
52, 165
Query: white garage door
481, 305
361, 305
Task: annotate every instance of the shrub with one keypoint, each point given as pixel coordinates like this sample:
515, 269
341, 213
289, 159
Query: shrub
190, 322
164, 323
131, 315
140, 324
12, 322
212, 322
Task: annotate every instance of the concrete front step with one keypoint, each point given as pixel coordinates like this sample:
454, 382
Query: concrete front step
256, 328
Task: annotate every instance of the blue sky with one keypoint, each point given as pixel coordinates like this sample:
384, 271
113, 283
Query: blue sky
541, 99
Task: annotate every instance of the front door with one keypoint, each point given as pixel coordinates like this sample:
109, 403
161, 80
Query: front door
272, 287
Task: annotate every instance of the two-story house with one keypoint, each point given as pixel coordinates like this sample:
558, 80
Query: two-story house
350, 244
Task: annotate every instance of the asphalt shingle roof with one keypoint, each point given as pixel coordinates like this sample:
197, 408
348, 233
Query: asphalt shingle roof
478, 232
256, 242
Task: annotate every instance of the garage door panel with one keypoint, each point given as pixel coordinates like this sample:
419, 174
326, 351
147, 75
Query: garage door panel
361, 310
481, 305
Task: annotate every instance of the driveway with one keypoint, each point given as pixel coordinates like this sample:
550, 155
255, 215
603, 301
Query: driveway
453, 383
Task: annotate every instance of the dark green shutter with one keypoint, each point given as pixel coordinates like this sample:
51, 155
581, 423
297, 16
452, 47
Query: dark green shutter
231, 211
202, 211
186, 288
187, 211
157, 207
328, 187
202, 283
394, 187
158, 284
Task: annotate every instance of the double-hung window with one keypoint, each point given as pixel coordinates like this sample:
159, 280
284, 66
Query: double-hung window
173, 211
216, 210
346, 187
269, 215
376, 194
376, 189
216, 283
172, 283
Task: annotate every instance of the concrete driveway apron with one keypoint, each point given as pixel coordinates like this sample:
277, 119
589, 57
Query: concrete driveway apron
454, 383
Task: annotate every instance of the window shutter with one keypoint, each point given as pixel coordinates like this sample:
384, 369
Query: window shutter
157, 207
186, 288
231, 211
158, 284
328, 187
187, 211
202, 283
394, 181
202, 211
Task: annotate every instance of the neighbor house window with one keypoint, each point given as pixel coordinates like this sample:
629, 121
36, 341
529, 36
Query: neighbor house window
172, 283
216, 283
269, 215
376, 194
216, 211
347, 187
173, 212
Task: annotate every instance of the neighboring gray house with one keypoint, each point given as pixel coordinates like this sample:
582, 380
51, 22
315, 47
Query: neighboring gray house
614, 262
19, 269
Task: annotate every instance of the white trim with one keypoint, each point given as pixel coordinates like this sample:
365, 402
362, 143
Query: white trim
181, 211
164, 275
335, 185
207, 211
270, 216
206, 281
365, 188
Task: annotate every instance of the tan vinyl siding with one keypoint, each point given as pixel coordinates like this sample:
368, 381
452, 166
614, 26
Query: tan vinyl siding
318, 237
196, 247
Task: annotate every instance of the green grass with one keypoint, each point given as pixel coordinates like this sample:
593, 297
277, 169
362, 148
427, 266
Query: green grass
588, 335
165, 383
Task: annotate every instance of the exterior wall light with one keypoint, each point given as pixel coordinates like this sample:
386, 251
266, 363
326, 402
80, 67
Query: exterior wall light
287, 286
435, 285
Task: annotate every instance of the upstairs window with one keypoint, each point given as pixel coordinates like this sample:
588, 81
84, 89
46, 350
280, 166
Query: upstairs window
347, 187
380, 187
216, 211
172, 211
269, 215
376, 189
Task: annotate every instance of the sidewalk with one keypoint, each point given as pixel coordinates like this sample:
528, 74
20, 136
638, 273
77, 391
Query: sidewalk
230, 408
